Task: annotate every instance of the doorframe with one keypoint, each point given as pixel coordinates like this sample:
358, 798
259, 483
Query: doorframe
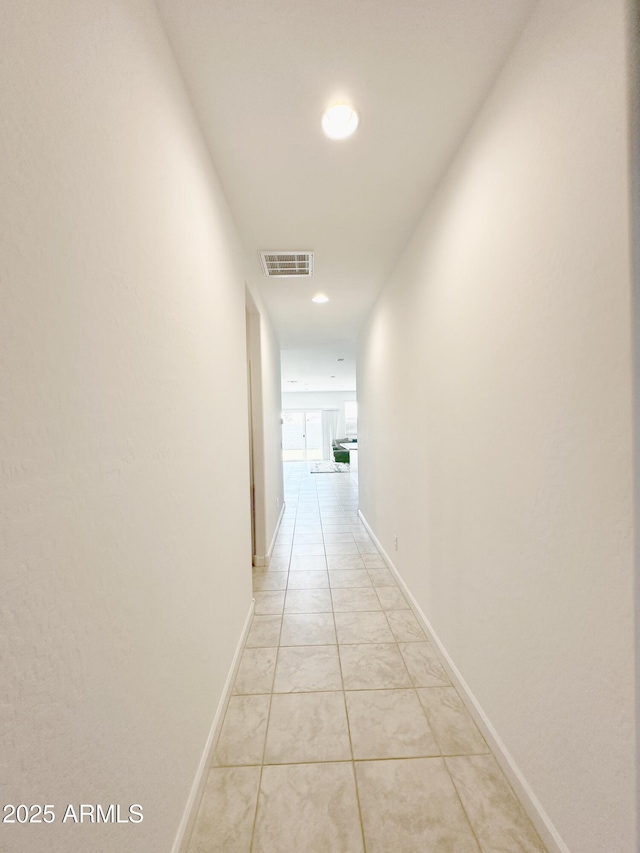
259, 544
252, 482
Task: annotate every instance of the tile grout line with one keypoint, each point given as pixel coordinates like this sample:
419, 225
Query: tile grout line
382, 759
346, 712
466, 814
264, 748
266, 732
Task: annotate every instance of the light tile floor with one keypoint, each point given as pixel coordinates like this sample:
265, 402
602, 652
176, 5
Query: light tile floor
343, 733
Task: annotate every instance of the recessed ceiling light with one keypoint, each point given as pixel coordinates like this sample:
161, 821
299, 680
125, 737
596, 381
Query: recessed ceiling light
339, 121
320, 297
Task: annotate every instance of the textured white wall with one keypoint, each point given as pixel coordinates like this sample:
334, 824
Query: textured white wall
124, 512
500, 350
634, 62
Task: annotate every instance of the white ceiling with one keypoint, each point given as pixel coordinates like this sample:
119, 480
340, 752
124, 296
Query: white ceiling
260, 73
318, 369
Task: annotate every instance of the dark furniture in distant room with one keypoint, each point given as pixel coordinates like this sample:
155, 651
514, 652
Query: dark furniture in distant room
340, 451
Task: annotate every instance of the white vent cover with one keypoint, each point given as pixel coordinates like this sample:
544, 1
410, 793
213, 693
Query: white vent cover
287, 264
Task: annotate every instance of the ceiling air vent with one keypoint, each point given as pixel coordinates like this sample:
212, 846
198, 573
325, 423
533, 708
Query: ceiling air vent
287, 264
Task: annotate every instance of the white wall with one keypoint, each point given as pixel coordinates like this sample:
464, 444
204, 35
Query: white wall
124, 540
267, 431
310, 400
634, 63
501, 347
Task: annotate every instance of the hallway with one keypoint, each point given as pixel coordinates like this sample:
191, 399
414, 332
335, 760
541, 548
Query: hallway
185, 255
343, 732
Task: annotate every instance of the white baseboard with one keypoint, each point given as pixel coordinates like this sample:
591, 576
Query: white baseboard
262, 560
185, 829
537, 814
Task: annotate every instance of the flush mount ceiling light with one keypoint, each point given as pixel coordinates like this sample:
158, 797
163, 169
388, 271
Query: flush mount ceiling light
320, 297
339, 121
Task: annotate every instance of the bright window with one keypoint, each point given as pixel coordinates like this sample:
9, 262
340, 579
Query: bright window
351, 419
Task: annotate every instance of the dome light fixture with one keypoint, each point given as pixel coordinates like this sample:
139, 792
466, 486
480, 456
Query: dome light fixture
320, 297
339, 121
